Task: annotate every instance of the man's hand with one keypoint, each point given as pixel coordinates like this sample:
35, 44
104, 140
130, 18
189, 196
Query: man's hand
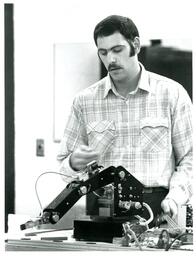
82, 156
170, 207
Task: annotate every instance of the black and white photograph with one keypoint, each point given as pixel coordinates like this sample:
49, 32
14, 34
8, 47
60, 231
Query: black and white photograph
97, 126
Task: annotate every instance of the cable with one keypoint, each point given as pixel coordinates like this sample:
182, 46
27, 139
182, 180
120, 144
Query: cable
48, 172
96, 194
179, 236
127, 231
65, 175
144, 222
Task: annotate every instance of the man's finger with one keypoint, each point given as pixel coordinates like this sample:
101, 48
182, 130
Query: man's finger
174, 209
165, 206
169, 207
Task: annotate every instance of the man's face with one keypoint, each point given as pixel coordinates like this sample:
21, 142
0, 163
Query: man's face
114, 52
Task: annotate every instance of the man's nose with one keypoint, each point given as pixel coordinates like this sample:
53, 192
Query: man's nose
111, 58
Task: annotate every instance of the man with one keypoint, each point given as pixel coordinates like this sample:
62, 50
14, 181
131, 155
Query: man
133, 118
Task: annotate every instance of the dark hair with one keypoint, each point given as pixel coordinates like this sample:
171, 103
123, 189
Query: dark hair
116, 23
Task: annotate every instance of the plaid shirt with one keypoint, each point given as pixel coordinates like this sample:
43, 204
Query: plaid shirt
149, 132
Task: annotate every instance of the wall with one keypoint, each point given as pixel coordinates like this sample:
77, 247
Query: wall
40, 24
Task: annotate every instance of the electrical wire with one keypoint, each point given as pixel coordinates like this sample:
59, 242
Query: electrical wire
83, 173
142, 221
179, 236
48, 172
150, 212
127, 231
96, 194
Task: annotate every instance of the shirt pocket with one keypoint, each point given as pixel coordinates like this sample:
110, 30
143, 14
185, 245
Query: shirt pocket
101, 135
154, 134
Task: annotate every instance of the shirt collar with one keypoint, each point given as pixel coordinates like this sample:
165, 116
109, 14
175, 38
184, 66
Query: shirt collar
108, 85
143, 82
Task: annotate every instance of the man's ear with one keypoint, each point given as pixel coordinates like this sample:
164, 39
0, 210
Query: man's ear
136, 44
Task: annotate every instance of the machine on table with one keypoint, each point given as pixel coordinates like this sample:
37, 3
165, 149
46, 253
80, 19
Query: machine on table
113, 197
114, 201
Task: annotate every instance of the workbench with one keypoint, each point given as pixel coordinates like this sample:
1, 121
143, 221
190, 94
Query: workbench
62, 240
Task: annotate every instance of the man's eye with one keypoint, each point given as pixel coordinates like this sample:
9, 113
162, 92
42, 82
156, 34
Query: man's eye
103, 53
118, 49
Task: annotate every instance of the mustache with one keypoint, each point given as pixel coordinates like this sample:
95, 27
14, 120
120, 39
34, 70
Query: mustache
113, 66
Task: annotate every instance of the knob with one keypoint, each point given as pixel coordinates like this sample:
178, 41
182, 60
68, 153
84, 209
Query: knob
138, 205
83, 190
121, 175
55, 217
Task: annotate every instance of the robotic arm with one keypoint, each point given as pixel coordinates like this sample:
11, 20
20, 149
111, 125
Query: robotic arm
127, 199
